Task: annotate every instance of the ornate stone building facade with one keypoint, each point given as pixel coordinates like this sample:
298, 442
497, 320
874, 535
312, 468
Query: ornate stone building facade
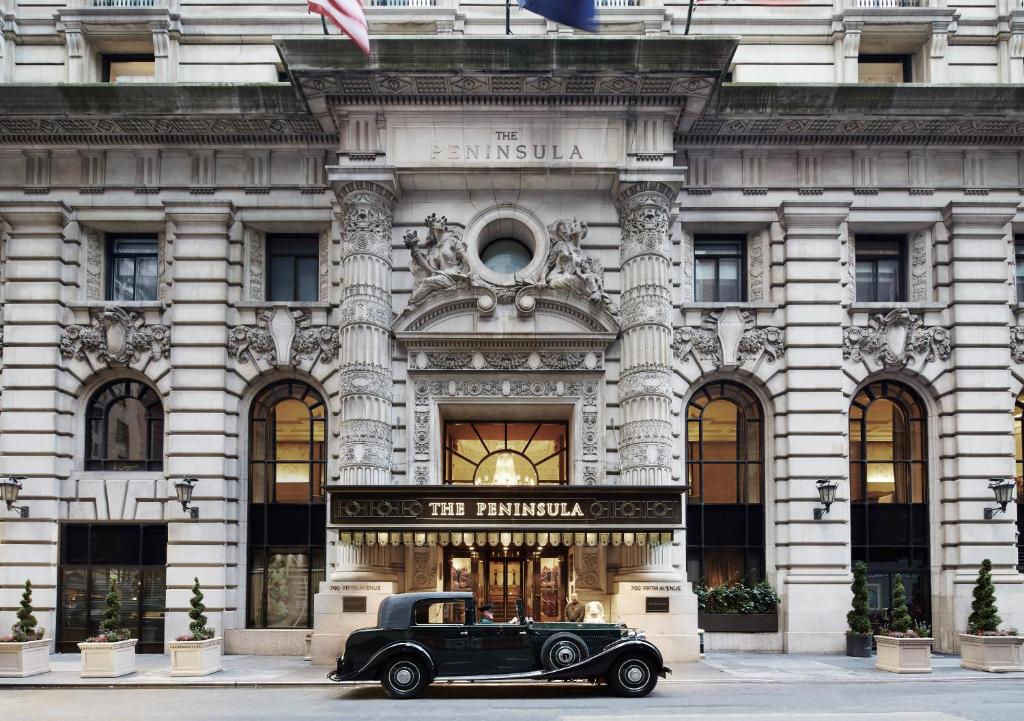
526, 316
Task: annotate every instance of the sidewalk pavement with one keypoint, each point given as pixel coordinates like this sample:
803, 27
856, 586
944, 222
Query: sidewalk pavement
277, 671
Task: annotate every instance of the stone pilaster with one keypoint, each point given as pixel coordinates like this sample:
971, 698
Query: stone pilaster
977, 437
37, 402
811, 563
202, 424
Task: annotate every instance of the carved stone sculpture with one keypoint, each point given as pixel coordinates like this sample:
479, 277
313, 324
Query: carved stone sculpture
896, 339
728, 338
116, 336
567, 267
439, 259
282, 337
1016, 343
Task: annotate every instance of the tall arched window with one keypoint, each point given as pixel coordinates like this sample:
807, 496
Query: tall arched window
125, 428
889, 494
1018, 445
725, 472
287, 515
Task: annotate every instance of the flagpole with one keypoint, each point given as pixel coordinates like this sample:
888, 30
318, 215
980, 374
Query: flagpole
689, 14
324, 23
508, 17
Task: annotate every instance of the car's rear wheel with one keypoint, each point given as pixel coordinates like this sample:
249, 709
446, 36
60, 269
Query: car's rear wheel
563, 650
633, 676
404, 677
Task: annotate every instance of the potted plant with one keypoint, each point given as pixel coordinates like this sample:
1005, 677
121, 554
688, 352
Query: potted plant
903, 647
111, 653
858, 637
738, 608
984, 647
198, 652
24, 652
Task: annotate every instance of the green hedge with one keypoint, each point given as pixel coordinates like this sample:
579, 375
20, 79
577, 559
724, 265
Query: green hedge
737, 598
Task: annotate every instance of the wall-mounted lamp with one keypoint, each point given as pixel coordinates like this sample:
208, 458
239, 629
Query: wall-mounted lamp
827, 496
9, 490
1002, 489
183, 489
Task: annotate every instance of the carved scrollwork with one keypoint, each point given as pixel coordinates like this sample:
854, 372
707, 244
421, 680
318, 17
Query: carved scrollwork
285, 333
896, 338
644, 212
1017, 344
729, 337
116, 336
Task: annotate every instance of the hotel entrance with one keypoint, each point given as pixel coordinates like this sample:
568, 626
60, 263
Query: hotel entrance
501, 577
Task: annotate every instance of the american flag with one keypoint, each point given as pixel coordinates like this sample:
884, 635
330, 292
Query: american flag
347, 15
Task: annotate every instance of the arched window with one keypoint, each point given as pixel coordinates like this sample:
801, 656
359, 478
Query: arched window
889, 494
725, 472
287, 516
506, 454
125, 428
1018, 445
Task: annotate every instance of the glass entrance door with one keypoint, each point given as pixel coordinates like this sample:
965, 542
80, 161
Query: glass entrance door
505, 579
501, 578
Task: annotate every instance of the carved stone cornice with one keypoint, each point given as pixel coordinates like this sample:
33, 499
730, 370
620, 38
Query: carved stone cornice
728, 338
116, 337
282, 337
896, 338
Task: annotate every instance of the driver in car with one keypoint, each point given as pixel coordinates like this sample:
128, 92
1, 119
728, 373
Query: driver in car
486, 613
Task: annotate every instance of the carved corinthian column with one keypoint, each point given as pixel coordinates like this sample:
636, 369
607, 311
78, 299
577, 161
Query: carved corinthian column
645, 385
365, 368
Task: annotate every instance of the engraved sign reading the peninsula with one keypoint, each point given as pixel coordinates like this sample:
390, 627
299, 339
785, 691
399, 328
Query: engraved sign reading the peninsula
520, 142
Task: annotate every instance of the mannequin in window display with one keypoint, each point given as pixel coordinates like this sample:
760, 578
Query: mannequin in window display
575, 610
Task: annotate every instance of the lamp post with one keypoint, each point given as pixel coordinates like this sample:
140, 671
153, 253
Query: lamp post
183, 489
827, 496
1002, 489
9, 490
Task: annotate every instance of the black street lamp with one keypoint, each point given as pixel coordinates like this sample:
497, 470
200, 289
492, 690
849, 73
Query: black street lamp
9, 490
183, 489
1003, 489
827, 496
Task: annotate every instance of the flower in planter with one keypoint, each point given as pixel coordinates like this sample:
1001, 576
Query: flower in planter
110, 627
198, 630
24, 628
984, 619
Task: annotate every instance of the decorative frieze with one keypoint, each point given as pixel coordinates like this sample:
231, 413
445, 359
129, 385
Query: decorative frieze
506, 360
116, 336
729, 338
282, 337
920, 290
95, 257
896, 339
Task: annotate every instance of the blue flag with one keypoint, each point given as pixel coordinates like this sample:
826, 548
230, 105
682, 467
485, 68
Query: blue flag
576, 13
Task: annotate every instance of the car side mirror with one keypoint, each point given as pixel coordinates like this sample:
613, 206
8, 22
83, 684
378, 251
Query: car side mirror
521, 611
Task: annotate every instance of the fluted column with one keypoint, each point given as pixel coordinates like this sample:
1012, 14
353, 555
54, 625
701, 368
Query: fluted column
645, 385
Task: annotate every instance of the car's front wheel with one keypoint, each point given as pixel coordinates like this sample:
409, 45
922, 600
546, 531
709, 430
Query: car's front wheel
633, 676
404, 677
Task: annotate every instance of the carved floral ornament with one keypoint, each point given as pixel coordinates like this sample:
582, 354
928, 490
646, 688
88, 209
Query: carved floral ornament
116, 336
440, 263
1017, 344
506, 360
896, 339
728, 338
283, 337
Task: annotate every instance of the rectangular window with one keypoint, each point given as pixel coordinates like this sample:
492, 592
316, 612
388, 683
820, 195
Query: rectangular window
884, 69
134, 272
1019, 276
293, 268
128, 68
880, 269
719, 269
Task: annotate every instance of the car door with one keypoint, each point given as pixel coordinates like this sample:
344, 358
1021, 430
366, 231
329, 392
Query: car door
441, 629
500, 648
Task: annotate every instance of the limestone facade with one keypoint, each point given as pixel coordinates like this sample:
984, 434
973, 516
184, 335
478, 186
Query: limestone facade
611, 181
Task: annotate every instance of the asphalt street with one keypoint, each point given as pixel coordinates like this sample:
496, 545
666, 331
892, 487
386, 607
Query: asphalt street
900, 699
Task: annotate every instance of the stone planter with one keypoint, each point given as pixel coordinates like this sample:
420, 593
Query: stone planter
196, 658
18, 660
108, 660
738, 622
904, 655
858, 645
995, 654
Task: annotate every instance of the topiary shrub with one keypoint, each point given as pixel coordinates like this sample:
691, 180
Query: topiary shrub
198, 629
25, 628
858, 618
984, 618
901, 623
111, 630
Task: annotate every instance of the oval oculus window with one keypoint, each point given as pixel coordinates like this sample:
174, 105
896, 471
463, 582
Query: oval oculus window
506, 255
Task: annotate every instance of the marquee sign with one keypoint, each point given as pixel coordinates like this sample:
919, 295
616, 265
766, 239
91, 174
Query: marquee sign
450, 507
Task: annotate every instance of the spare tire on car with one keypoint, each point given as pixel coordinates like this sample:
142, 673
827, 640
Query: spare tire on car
563, 650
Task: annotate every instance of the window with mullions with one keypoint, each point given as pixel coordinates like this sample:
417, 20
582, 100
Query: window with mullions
718, 269
287, 515
880, 269
725, 473
1018, 445
125, 428
293, 268
1019, 275
134, 267
506, 454
889, 495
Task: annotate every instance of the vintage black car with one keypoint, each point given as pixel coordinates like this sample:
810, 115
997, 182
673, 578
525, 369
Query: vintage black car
425, 637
